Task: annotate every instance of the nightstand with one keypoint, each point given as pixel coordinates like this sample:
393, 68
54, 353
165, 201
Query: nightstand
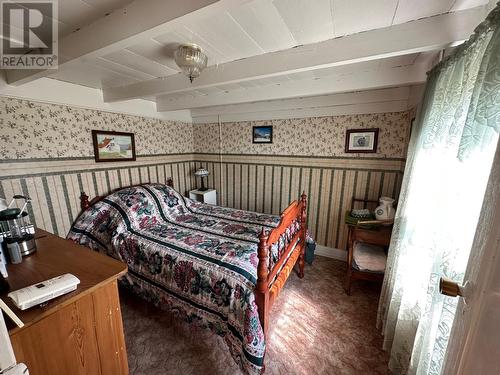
208, 196
367, 244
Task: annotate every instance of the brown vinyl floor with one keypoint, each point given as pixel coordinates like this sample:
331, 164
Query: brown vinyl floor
315, 329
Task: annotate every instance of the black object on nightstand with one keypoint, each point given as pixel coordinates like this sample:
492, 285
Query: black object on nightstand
4, 285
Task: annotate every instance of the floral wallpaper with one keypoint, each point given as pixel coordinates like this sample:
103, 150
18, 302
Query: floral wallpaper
39, 130
313, 136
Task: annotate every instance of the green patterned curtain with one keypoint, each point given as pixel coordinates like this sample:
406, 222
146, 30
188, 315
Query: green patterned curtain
449, 161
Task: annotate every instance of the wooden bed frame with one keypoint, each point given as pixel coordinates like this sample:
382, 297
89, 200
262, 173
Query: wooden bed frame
270, 280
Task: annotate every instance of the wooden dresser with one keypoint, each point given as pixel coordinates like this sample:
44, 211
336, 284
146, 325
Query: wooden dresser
79, 333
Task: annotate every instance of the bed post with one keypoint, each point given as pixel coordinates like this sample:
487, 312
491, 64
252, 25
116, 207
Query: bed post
84, 201
261, 289
303, 225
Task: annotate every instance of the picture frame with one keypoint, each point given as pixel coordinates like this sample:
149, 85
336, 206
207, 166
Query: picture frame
110, 146
361, 140
412, 122
262, 134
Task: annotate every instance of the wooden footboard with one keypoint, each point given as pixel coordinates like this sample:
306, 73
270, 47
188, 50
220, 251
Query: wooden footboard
278, 252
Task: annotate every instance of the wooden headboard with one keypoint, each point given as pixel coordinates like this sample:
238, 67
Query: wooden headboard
84, 198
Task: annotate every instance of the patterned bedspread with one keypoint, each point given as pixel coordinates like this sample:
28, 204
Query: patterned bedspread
197, 260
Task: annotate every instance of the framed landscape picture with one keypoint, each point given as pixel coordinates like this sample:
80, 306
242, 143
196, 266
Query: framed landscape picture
361, 140
262, 134
113, 146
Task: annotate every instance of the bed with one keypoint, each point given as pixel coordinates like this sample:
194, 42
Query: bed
212, 266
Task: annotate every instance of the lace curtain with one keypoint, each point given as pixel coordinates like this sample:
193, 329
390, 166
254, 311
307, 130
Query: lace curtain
449, 161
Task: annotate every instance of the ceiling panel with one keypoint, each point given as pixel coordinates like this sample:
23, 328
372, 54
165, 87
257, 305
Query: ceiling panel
156, 51
121, 69
92, 76
183, 35
353, 16
409, 10
261, 21
308, 21
140, 63
224, 32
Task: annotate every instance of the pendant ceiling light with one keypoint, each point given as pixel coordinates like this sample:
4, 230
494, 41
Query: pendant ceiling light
191, 59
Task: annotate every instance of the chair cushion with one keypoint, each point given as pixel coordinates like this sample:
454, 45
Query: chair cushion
369, 257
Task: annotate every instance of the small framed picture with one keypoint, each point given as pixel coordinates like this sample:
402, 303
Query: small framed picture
411, 128
361, 140
262, 134
113, 146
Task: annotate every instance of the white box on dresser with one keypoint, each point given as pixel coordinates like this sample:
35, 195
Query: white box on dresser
207, 196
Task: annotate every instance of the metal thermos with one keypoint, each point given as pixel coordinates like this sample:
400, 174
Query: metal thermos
14, 252
16, 229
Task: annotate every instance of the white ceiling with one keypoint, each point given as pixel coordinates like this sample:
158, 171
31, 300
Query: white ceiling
255, 28
75, 14
232, 30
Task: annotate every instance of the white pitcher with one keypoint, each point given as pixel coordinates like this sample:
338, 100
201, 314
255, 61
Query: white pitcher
386, 209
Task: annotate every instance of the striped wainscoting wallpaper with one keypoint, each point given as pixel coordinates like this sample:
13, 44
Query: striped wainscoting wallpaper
55, 184
257, 183
269, 183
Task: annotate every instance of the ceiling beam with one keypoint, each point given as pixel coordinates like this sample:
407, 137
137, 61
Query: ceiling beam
416, 36
354, 81
416, 95
346, 98
140, 20
333, 110
374, 101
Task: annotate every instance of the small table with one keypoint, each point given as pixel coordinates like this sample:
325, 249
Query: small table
80, 332
206, 196
373, 234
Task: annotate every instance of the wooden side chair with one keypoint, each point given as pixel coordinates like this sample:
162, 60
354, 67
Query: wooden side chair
367, 248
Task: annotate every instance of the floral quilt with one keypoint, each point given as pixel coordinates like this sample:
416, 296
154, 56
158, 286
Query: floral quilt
197, 260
